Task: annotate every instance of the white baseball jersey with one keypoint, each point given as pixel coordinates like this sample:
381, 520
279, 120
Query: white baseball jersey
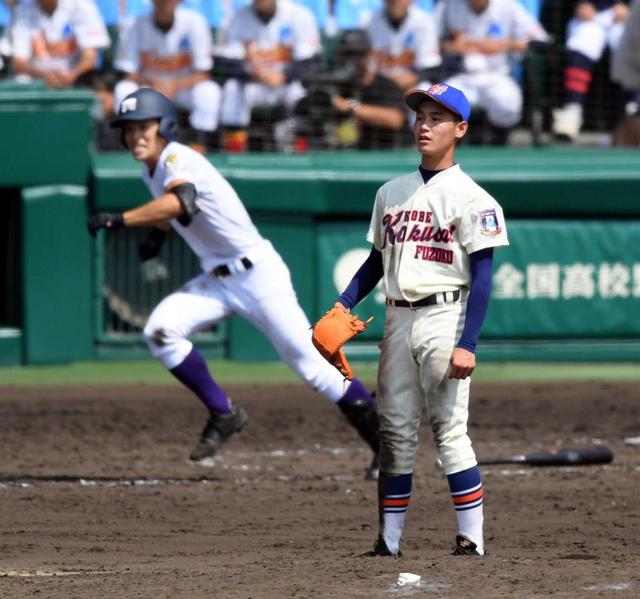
413, 45
427, 231
291, 34
54, 42
502, 19
222, 229
187, 47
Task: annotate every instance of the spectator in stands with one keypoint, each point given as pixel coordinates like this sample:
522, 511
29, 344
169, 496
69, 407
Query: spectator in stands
595, 25
171, 50
479, 39
405, 44
57, 41
625, 70
106, 138
362, 107
262, 55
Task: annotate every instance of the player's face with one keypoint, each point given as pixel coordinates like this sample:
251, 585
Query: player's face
478, 6
49, 6
143, 140
264, 7
436, 130
397, 9
165, 9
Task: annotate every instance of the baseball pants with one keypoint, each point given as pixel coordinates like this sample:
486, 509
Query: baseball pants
264, 296
238, 99
412, 376
496, 93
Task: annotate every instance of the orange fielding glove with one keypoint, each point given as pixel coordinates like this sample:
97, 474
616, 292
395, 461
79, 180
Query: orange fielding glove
332, 331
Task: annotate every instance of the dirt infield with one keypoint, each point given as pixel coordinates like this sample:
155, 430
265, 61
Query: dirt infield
98, 499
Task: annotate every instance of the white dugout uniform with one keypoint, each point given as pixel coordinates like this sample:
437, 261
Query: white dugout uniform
485, 79
186, 48
592, 37
54, 42
291, 34
258, 287
426, 233
412, 46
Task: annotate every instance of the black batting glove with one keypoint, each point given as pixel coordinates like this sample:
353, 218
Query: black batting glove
150, 247
108, 220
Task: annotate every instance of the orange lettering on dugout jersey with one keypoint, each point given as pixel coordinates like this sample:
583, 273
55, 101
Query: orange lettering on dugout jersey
151, 62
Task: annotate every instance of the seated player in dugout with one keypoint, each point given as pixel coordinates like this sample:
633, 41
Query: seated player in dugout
479, 40
352, 103
262, 56
433, 233
170, 50
57, 41
242, 274
405, 44
594, 26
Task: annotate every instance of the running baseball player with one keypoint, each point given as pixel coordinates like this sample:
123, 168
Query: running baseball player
170, 49
433, 232
242, 274
57, 41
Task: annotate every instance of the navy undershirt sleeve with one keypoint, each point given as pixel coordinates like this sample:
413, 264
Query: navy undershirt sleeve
363, 281
478, 300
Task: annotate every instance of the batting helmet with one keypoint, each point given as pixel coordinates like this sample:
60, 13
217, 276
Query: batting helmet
145, 104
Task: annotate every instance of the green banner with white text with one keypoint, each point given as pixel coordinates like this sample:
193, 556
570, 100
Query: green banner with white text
573, 279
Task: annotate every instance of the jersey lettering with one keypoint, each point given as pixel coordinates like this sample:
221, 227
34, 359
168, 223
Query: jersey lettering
433, 254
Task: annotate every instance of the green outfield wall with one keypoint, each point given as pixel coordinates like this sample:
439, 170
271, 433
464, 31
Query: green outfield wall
567, 288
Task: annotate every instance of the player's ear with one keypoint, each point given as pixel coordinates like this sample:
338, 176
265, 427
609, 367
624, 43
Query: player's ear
461, 129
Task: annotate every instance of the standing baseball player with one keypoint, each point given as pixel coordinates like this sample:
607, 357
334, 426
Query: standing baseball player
433, 232
242, 274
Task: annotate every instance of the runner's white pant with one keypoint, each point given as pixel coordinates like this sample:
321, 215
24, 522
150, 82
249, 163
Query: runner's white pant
264, 296
202, 101
496, 93
414, 365
238, 99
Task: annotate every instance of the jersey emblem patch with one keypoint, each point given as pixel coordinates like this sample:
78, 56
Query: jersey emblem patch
171, 161
438, 89
489, 226
128, 105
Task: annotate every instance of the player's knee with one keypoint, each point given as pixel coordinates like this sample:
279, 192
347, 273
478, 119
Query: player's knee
207, 93
156, 336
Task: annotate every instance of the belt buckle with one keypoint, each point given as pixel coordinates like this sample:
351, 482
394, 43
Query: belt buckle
413, 307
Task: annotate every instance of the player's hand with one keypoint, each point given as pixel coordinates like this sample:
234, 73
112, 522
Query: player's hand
620, 12
107, 220
340, 104
462, 363
271, 78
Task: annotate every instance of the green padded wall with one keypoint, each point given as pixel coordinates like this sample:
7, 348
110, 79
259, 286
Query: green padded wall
57, 278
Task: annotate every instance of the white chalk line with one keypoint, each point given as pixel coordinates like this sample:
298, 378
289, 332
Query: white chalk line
53, 573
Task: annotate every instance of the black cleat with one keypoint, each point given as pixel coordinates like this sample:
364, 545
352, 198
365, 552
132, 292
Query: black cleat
363, 416
218, 429
373, 471
380, 549
465, 547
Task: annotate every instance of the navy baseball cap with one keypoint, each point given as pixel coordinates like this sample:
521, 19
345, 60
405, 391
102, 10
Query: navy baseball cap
442, 93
